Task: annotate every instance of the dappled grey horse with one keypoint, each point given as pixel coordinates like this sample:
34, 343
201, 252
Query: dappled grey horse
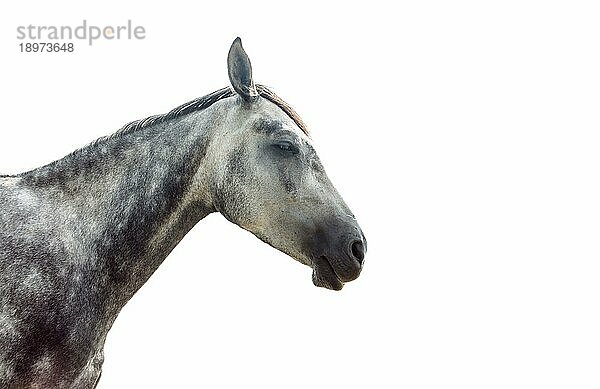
80, 236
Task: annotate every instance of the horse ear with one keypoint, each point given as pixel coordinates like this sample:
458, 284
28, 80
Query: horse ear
240, 71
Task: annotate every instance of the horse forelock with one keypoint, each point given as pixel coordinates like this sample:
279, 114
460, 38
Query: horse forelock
268, 94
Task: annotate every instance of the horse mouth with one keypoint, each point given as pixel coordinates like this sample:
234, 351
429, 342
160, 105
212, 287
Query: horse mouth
324, 275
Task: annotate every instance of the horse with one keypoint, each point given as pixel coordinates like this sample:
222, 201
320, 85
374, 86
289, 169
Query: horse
79, 236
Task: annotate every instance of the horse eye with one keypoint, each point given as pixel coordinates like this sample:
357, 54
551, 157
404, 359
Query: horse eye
287, 147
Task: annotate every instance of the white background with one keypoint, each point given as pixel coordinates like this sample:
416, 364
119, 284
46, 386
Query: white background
464, 136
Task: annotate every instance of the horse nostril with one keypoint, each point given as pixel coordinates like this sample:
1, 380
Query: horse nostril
358, 251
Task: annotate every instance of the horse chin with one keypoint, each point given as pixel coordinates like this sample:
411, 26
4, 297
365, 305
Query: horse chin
324, 276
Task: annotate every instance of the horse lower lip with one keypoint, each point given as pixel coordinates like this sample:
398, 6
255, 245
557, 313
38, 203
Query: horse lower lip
324, 275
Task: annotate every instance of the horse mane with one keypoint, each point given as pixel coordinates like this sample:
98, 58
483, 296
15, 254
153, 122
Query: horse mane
204, 102
195, 105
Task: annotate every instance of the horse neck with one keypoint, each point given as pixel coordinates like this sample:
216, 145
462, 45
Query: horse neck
134, 197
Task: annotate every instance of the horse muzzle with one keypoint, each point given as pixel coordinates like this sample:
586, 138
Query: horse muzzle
338, 261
